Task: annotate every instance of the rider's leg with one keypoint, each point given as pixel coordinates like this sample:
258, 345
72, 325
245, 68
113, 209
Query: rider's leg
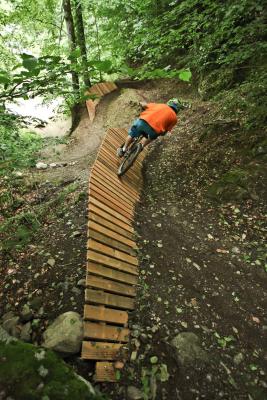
127, 143
145, 141
133, 133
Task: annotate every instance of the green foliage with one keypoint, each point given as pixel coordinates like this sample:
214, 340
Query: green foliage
223, 341
28, 372
222, 43
18, 230
17, 149
247, 101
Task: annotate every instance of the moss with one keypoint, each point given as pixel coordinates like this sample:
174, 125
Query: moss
29, 373
233, 185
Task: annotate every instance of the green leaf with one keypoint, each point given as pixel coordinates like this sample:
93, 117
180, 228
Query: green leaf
4, 78
75, 54
118, 375
253, 367
164, 374
103, 66
29, 62
154, 360
185, 75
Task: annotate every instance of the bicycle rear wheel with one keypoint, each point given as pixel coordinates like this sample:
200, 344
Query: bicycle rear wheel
129, 159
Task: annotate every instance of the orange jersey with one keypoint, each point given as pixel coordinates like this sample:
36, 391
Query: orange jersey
160, 117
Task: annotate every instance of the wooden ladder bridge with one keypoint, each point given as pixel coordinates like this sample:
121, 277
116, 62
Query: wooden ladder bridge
112, 265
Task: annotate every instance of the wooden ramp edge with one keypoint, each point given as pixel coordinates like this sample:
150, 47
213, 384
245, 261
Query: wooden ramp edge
112, 264
99, 89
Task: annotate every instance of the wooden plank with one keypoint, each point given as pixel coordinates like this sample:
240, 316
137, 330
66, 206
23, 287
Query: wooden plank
110, 242
107, 299
110, 210
103, 249
101, 350
110, 286
101, 168
116, 187
111, 204
111, 262
125, 178
121, 134
110, 273
114, 175
106, 332
107, 220
100, 313
105, 372
114, 141
115, 194
112, 198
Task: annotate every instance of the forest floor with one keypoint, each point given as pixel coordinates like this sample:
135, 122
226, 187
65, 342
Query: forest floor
202, 267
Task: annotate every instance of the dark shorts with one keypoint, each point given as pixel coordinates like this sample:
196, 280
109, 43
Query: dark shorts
141, 127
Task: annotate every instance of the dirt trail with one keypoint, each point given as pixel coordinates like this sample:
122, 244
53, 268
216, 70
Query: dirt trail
79, 153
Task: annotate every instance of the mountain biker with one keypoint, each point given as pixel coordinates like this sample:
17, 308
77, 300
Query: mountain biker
154, 121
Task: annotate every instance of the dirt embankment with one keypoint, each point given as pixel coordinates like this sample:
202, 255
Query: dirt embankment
199, 328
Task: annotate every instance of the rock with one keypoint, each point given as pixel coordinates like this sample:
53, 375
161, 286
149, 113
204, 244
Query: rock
134, 356
51, 262
7, 316
40, 312
238, 358
133, 393
187, 349
41, 165
36, 303
235, 250
32, 372
81, 283
26, 313
76, 291
10, 325
53, 165
65, 334
18, 174
143, 338
25, 333
5, 337
76, 233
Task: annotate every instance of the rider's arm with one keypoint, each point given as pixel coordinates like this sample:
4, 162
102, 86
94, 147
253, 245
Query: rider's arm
143, 105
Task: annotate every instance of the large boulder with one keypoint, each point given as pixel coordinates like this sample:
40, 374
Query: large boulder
187, 349
29, 372
65, 334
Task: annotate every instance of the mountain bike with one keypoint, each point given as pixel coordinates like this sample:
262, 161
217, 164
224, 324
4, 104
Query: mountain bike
130, 156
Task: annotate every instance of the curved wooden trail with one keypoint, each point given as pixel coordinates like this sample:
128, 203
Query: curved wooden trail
112, 265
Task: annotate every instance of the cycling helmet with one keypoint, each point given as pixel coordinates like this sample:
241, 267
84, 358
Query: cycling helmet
175, 104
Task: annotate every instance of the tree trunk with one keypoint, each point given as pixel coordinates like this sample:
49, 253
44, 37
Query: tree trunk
81, 40
71, 38
97, 41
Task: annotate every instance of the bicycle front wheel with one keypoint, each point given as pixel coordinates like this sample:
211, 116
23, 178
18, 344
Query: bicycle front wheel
129, 159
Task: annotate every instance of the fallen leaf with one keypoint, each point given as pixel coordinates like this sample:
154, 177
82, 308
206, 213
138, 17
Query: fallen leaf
222, 251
